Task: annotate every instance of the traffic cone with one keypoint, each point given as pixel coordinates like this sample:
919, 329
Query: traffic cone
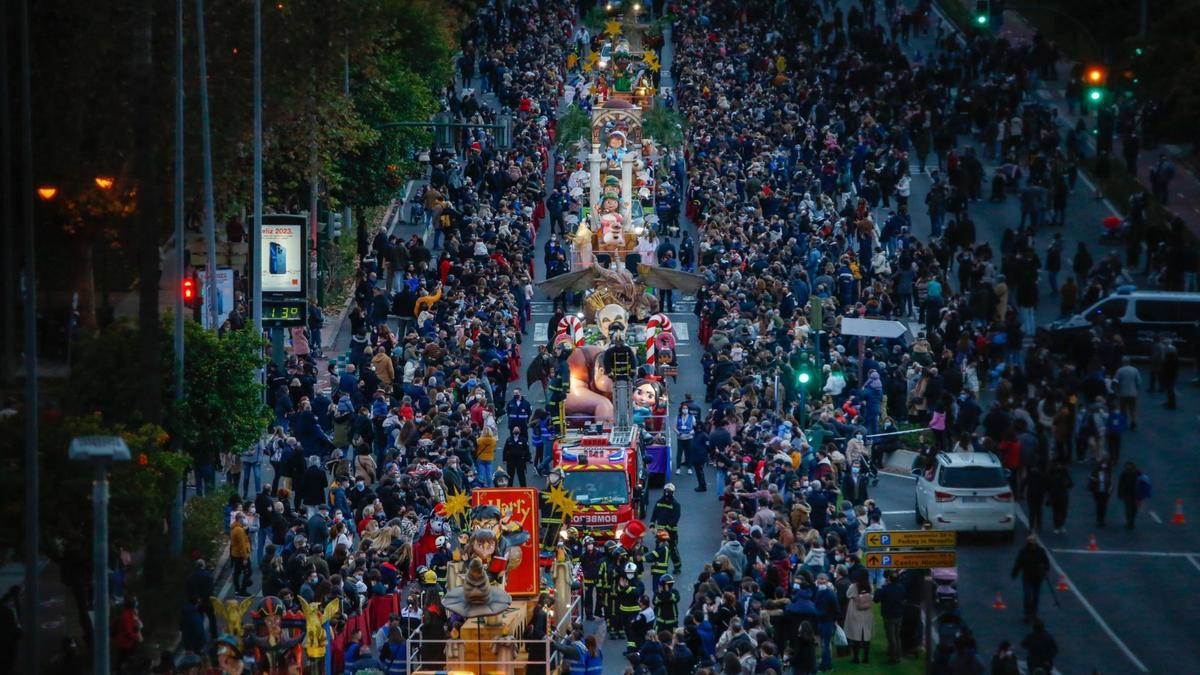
999, 603
1062, 583
1092, 545
1178, 518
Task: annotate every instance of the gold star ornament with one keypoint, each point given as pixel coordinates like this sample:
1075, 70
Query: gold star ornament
562, 501
613, 28
457, 504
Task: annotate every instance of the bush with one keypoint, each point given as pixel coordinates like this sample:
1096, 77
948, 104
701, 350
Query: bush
204, 533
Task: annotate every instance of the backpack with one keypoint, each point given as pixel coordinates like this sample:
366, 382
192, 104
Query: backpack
863, 601
1143, 490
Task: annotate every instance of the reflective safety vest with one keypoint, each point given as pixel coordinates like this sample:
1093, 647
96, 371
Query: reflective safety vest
586, 664
659, 560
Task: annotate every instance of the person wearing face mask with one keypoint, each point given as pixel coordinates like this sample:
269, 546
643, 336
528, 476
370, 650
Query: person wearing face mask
854, 484
828, 610
589, 563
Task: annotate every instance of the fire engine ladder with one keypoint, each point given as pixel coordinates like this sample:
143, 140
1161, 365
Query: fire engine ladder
622, 432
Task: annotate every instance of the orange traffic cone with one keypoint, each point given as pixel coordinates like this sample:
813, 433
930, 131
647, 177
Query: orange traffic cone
1092, 546
1062, 583
1178, 518
999, 603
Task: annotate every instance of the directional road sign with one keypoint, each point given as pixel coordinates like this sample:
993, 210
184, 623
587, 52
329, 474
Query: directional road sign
912, 539
897, 560
873, 328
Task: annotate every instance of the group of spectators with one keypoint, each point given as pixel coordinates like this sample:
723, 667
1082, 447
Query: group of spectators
362, 453
805, 125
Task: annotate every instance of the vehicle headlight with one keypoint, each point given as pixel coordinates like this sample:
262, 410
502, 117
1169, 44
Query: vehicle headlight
619, 531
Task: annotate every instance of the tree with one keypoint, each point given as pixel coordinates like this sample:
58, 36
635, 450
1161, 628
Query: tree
221, 409
141, 493
573, 126
664, 126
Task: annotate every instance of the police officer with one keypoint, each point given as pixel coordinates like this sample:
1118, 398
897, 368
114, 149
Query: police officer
629, 590
518, 412
666, 603
590, 562
666, 517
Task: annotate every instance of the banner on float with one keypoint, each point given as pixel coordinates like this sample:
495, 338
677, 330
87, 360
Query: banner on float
517, 506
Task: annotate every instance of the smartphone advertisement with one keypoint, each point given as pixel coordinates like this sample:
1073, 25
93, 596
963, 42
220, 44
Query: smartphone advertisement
282, 264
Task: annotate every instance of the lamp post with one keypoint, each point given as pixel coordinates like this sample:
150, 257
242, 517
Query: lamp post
101, 452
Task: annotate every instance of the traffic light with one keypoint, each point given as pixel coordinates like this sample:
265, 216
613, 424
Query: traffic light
189, 291
983, 12
1095, 80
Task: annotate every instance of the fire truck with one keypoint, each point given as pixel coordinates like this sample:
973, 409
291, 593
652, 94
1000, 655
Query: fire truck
603, 468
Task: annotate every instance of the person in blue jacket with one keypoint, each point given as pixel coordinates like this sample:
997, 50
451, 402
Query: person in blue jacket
828, 611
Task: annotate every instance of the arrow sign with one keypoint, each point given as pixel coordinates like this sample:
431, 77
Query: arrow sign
912, 538
911, 560
873, 328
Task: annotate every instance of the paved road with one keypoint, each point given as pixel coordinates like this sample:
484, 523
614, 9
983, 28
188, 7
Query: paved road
1117, 616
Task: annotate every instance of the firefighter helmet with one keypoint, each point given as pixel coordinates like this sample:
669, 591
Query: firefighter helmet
630, 568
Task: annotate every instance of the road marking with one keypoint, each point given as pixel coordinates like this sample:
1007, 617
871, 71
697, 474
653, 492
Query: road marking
898, 513
539, 333
681, 332
1087, 605
1195, 563
1156, 518
897, 475
1147, 554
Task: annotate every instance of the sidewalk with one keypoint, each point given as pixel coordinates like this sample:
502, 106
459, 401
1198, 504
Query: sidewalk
1184, 195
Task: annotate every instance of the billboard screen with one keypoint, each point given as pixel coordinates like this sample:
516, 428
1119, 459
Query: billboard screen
283, 263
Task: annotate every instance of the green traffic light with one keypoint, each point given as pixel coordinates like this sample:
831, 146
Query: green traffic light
804, 378
981, 19
1095, 95
1138, 51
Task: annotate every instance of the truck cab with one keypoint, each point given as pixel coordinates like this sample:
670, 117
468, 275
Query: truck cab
606, 477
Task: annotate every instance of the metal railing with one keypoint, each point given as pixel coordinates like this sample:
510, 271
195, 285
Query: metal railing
502, 654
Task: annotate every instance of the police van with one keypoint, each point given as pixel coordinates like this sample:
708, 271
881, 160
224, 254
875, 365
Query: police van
1139, 317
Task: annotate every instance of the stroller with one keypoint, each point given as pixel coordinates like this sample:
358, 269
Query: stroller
945, 592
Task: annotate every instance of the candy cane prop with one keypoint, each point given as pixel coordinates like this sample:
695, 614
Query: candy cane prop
658, 323
570, 328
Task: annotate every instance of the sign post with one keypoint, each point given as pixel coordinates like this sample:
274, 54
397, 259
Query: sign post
280, 273
865, 328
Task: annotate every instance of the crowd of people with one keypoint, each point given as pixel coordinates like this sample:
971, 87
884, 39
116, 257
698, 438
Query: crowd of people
362, 453
804, 127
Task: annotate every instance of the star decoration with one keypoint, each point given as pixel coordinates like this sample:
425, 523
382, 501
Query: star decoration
456, 504
613, 28
651, 60
562, 501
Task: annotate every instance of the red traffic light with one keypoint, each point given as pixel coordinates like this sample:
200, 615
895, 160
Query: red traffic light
189, 289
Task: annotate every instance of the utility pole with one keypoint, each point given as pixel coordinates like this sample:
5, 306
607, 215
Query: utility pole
210, 225
32, 409
175, 526
347, 225
1143, 18
256, 229
11, 271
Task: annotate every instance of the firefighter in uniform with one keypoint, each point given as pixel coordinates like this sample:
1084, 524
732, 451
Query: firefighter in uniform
550, 518
666, 517
605, 578
590, 562
660, 558
629, 589
441, 559
666, 604
560, 383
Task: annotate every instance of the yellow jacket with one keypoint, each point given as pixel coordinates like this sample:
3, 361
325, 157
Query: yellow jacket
426, 301
485, 448
239, 542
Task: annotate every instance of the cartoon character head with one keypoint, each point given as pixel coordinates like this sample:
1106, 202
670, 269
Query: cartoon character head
610, 314
648, 393
616, 140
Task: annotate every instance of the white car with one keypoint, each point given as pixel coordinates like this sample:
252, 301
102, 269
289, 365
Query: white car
966, 491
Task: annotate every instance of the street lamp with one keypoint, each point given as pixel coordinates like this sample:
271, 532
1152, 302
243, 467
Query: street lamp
47, 192
104, 182
101, 451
